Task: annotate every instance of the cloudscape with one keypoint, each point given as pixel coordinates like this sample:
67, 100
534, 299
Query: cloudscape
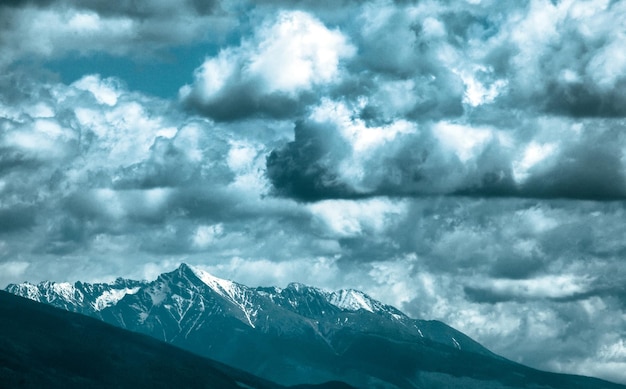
462, 160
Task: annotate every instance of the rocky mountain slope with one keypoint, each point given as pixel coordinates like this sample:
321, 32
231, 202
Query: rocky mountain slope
46, 347
298, 334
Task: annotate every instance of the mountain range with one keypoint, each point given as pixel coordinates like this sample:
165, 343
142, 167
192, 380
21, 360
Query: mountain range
298, 334
46, 347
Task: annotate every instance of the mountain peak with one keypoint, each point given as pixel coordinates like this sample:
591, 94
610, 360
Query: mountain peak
229, 290
219, 285
183, 266
80, 296
298, 286
352, 300
312, 334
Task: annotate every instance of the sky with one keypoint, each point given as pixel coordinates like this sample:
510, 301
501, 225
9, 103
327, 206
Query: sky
462, 160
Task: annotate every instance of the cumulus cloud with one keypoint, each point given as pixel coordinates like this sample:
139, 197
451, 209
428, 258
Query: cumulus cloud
507, 135
570, 49
271, 73
336, 154
94, 170
70, 141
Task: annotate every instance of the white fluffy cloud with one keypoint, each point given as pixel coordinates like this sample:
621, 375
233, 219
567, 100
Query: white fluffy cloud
288, 55
296, 52
344, 219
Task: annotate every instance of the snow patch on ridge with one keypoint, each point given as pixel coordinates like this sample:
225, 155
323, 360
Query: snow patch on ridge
230, 290
111, 297
64, 289
158, 293
28, 290
351, 300
225, 288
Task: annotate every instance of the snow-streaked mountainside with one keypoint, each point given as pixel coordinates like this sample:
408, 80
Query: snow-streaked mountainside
39, 348
78, 297
189, 290
293, 335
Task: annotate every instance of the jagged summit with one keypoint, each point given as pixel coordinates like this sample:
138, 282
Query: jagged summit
344, 299
80, 296
353, 300
253, 328
222, 286
292, 335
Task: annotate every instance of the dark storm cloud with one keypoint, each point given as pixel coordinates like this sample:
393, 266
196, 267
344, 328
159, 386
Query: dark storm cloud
17, 218
312, 167
591, 171
22, 3
305, 168
584, 99
516, 266
11, 159
244, 101
483, 295
596, 290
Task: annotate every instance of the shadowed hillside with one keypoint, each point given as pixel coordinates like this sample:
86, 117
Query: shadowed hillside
293, 336
46, 347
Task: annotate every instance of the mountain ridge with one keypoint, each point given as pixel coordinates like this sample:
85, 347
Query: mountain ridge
44, 346
302, 334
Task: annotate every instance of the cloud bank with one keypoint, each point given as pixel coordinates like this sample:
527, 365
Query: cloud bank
463, 161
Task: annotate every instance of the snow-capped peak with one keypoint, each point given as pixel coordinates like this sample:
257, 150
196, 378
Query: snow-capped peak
83, 296
351, 300
64, 289
225, 288
26, 289
230, 290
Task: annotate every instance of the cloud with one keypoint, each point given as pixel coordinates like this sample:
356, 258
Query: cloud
98, 171
554, 287
465, 57
590, 169
337, 155
463, 160
345, 219
570, 51
304, 167
140, 180
272, 73
68, 146
55, 28
12, 270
